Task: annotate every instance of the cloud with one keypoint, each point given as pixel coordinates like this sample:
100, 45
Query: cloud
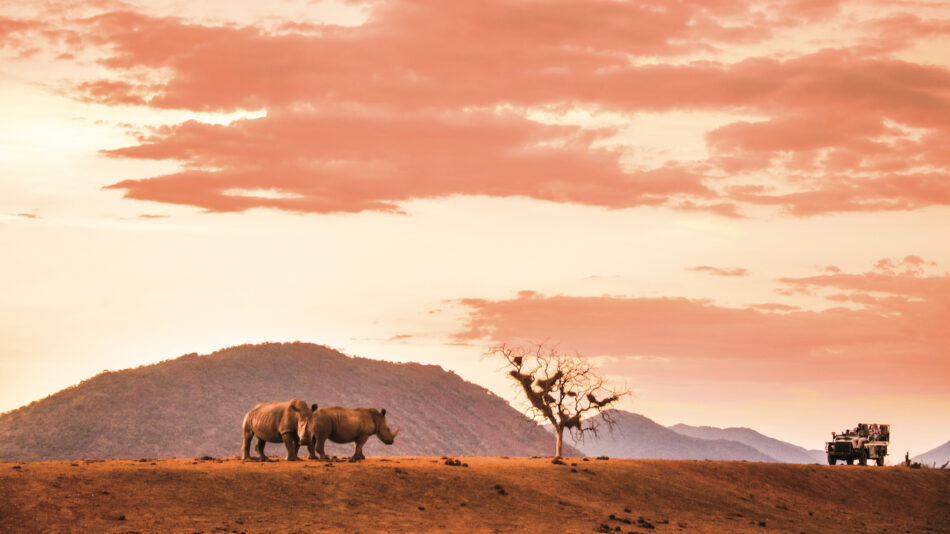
912, 265
11, 26
773, 307
718, 271
327, 162
898, 329
113, 92
528, 55
415, 53
902, 30
903, 277
15, 35
844, 194
846, 128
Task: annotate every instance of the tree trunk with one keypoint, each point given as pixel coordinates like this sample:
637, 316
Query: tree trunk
559, 431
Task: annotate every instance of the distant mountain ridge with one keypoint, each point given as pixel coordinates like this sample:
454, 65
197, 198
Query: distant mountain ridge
935, 457
779, 450
636, 436
193, 405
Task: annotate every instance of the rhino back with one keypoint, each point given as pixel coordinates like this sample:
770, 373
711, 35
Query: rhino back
265, 420
347, 424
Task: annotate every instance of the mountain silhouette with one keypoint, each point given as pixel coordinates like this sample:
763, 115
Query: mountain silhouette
636, 436
780, 450
935, 457
193, 406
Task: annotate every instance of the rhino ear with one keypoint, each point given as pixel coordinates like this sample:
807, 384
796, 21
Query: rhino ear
383, 412
314, 407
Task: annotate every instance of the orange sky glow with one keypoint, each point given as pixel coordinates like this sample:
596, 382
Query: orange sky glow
740, 210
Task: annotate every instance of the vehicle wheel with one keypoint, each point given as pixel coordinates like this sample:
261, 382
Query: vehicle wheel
880, 462
849, 461
832, 460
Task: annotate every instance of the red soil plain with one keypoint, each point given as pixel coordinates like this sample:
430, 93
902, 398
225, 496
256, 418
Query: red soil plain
491, 494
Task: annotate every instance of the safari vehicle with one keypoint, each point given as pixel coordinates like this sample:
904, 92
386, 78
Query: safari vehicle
862, 443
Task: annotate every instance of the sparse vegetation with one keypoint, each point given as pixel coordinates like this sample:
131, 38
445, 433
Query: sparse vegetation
562, 389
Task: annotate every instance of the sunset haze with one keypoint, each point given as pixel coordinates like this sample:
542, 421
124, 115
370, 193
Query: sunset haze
738, 210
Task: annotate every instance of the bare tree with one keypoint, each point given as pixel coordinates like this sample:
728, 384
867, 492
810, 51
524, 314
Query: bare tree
562, 389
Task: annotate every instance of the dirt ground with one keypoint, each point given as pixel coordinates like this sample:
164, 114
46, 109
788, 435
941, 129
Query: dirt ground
489, 495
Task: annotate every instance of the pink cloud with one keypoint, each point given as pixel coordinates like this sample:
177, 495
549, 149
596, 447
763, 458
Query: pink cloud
115, 92
901, 30
773, 307
833, 121
845, 194
909, 265
904, 333
415, 52
719, 271
904, 277
15, 33
547, 56
10, 26
725, 209
797, 133
326, 162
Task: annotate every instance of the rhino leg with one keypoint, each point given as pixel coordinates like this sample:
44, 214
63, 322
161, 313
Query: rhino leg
246, 447
321, 441
260, 449
292, 444
358, 452
311, 455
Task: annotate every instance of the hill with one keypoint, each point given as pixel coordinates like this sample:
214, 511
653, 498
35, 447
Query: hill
636, 436
938, 456
780, 450
194, 405
490, 495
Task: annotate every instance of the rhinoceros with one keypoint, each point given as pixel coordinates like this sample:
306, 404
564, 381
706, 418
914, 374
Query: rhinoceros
277, 422
345, 425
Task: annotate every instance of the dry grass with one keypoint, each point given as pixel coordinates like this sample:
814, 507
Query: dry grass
426, 495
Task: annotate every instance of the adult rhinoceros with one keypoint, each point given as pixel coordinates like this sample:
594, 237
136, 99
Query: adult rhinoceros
345, 425
277, 422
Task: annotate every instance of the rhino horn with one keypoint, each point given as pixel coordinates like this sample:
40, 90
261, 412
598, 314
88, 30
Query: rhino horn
396, 433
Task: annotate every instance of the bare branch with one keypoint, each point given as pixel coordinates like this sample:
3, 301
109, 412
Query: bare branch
559, 388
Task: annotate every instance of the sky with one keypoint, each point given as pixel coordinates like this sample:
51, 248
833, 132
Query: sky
738, 210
